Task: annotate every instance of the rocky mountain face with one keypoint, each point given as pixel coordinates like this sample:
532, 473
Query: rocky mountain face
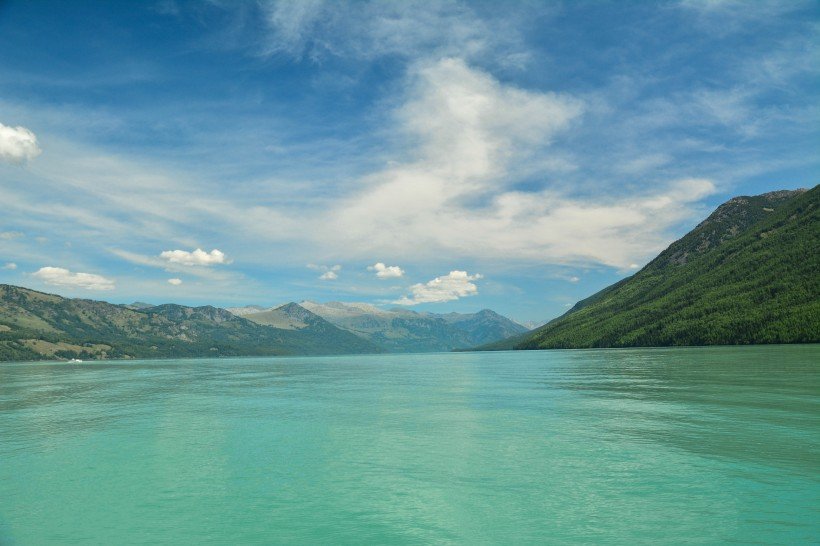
749, 273
727, 222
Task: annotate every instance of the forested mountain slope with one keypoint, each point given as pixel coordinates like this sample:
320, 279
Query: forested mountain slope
750, 273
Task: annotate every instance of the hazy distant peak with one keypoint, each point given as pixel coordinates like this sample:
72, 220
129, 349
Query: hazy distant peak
342, 309
137, 305
248, 309
296, 311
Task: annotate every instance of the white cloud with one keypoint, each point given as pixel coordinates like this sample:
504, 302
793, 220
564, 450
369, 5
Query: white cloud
454, 285
457, 193
386, 271
9, 235
17, 145
330, 272
574, 279
197, 257
63, 277
175, 282
9, 266
462, 137
208, 273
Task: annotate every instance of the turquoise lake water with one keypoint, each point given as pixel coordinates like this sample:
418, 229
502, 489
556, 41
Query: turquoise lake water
700, 445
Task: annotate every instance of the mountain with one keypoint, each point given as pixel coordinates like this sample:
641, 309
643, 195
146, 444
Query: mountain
35, 325
326, 338
749, 273
402, 330
247, 310
137, 305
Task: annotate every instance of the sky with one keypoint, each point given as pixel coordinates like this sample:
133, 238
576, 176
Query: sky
434, 155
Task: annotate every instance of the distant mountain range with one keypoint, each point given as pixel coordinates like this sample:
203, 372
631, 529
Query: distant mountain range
393, 330
749, 273
35, 325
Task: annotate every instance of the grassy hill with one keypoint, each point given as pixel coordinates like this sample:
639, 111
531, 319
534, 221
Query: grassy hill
750, 273
35, 325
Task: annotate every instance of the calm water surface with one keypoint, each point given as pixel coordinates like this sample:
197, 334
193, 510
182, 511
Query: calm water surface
619, 446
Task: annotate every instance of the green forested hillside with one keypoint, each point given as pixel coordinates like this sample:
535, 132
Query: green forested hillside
750, 273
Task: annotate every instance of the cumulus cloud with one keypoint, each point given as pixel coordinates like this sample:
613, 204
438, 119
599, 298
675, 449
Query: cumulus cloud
330, 272
9, 266
197, 257
454, 285
17, 145
175, 282
63, 277
386, 271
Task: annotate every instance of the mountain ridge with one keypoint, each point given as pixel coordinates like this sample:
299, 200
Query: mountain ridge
36, 325
403, 330
749, 273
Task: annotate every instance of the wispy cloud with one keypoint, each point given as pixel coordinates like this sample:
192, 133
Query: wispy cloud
321, 29
207, 273
457, 194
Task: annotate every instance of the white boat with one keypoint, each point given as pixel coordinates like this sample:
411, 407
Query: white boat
75, 360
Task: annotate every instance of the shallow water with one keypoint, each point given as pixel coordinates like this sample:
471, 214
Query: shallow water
698, 445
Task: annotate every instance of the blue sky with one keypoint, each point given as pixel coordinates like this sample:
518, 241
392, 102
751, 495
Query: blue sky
441, 155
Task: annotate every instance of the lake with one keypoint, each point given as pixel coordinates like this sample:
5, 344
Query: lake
699, 445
